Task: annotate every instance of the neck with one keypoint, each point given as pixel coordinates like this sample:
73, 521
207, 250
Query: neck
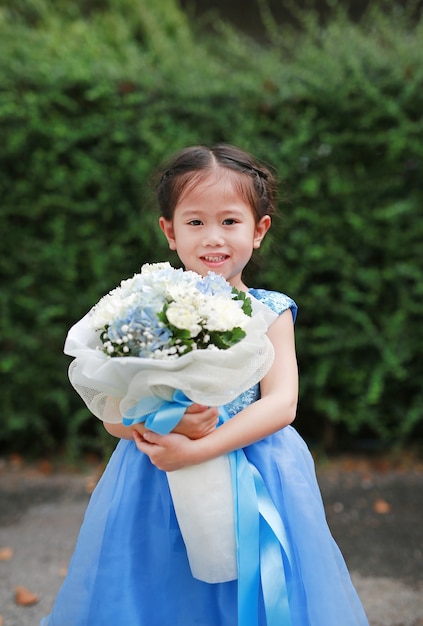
240, 286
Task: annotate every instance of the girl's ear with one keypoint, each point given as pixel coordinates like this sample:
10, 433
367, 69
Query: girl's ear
167, 228
261, 229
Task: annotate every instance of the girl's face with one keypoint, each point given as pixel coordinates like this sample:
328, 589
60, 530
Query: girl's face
213, 229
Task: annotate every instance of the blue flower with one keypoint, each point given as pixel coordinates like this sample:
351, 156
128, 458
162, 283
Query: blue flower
214, 285
154, 314
140, 331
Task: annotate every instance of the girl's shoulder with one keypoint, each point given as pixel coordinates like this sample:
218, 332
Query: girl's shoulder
278, 302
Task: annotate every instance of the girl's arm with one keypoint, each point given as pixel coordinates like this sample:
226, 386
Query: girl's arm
275, 409
197, 422
111, 410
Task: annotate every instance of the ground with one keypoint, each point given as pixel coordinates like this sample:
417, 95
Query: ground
374, 508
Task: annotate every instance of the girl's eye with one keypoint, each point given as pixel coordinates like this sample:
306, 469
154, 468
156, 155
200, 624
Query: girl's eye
229, 221
195, 222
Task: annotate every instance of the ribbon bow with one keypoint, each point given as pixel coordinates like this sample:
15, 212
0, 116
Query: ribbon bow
160, 416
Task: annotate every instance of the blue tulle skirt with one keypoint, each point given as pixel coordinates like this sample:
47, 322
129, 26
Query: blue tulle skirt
130, 567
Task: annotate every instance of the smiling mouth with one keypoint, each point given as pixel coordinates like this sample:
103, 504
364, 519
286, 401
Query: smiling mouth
215, 259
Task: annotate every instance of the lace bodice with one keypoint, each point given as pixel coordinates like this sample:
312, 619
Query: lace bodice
278, 302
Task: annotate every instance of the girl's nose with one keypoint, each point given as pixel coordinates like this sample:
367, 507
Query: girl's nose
213, 238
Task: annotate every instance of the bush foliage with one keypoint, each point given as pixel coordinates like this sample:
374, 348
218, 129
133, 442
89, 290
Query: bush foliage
94, 95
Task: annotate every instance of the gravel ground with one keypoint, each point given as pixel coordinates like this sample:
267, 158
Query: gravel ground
375, 512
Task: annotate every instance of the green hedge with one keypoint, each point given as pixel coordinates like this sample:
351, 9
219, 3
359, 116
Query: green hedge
93, 99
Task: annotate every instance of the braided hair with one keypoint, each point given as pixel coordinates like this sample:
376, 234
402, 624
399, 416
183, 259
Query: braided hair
254, 182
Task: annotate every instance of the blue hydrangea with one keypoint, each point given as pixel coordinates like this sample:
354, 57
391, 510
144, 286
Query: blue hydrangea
214, 285
140, 331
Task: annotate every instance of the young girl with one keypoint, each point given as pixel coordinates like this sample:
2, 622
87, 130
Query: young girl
130, 565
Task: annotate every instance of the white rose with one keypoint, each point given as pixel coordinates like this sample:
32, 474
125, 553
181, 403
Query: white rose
223, 315
149, 268
105, 311
184, 316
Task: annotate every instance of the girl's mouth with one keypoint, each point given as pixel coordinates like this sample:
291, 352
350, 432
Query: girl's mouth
214, 258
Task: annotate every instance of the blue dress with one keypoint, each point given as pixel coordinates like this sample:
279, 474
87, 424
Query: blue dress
130, 566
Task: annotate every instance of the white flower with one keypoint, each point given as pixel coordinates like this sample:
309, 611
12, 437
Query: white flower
221, 314
145, 315
112, 306
184, 316
181, 292
149, 268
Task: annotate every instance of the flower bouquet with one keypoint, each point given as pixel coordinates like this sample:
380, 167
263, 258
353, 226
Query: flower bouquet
163, 339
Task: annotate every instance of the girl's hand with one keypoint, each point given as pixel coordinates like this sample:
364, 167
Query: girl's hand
198, 421
166, 452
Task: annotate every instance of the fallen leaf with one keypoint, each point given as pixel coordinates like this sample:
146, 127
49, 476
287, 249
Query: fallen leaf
24, 597
381, 507
16, 461
6, 554
45, 467
1, 621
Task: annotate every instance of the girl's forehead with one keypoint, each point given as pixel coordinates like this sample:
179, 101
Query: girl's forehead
220, 182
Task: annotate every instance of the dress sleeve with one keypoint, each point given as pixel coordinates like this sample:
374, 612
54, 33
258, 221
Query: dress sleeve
278, 302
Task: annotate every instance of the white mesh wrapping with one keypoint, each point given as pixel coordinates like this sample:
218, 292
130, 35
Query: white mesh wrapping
210, 377
94, 399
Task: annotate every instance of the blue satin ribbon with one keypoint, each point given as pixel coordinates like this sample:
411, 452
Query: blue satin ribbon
263, 552
160, 416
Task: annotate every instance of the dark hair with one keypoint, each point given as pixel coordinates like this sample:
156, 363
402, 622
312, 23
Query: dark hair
255, 183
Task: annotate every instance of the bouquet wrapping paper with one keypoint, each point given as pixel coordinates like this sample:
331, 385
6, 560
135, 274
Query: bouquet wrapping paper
202, 494
204, 506
212, 377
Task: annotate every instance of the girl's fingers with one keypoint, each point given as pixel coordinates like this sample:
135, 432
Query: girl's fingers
149, 439
196, 408
152, 437
166, 452
143, 442
139, 440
